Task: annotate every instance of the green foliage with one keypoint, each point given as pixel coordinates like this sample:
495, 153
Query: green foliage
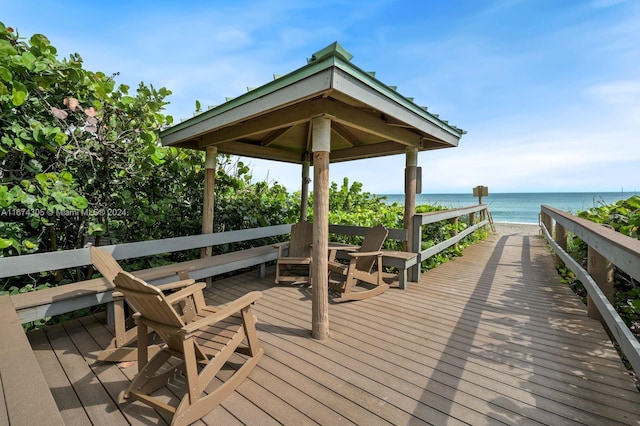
71, 141
80, 161
348, 205
624, 217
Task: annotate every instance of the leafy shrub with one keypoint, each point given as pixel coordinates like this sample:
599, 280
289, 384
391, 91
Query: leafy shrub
624, 217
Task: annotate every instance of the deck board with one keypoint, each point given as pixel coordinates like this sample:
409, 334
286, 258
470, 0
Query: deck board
492, 337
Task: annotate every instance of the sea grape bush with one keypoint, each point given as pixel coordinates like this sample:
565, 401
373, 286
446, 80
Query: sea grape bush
624, 217
80, 161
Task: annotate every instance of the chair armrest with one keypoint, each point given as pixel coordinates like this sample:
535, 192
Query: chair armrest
364, 253
342, 247
333, 250
176, 284
281, 247
225, 312
185, 292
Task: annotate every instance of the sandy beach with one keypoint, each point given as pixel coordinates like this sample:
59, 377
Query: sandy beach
516, 228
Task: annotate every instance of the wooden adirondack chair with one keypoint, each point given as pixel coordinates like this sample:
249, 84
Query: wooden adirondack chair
345, 279
202, 345
120, 348
296, 266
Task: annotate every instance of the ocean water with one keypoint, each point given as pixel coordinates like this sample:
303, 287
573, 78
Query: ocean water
519, 207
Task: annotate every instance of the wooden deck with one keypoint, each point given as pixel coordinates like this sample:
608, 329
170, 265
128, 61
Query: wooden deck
490, 338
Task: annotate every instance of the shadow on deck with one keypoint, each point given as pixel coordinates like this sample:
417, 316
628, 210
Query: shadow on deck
492, 337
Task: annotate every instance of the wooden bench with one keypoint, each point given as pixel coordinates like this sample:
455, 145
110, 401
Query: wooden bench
83, 294
402, 261
27, 399
48, 302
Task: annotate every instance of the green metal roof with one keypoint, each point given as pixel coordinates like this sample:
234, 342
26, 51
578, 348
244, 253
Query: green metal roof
270, 121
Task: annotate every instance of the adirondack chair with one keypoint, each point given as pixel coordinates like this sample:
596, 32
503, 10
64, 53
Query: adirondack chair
347, 279
296, 266
120, 348
202, 345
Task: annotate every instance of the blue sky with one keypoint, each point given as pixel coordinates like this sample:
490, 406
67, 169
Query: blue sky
548, 91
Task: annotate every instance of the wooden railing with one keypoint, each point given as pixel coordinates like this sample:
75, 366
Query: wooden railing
83, 294
54, 301
606, 248
93, 292
421, 219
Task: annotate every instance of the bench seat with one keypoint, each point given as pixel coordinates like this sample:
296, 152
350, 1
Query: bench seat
402, 260
27, 399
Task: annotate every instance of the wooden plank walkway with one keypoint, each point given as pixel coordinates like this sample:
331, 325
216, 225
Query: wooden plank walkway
490, 338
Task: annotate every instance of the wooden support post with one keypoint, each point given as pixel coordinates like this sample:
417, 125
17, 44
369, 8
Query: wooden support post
304, 198
454, 222
416, 247
410, 174
321, 147
602, 272
547, 222
561, 239
209, 195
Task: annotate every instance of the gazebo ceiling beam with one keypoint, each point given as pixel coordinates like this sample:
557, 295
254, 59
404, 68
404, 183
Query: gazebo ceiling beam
258, 151
368, 151
345, 134
270, 122
273, 136
369, 123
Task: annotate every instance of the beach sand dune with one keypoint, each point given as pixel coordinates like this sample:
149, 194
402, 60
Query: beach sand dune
505, 228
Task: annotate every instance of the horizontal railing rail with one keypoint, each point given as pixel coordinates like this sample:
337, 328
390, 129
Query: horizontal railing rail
394, 233
421, 219
51, 261
616, 249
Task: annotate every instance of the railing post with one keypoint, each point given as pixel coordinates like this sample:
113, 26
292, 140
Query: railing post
454, 222
546, 221
472, 218
209, 196
602, 272
561, 239
416, 242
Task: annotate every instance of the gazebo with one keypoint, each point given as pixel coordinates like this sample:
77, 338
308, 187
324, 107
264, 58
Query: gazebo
327, 111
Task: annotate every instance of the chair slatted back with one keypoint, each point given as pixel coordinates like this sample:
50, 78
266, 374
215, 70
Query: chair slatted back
105, 263
373, 240
152, 305
301, 239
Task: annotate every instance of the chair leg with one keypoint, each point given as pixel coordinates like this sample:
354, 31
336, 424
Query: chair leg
146, 381
194, 404
361, 295
188, 413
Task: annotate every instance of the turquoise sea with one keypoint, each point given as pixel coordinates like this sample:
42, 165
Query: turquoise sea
519, 207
